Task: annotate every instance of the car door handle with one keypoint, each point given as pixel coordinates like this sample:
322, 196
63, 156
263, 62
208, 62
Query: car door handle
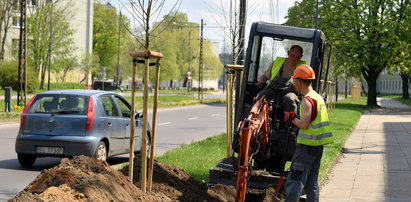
109, 123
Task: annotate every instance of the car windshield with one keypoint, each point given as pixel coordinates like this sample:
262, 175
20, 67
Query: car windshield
60, 104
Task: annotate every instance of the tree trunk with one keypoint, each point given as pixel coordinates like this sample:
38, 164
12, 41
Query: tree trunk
372, 89
405, 80
43, 75
3, 43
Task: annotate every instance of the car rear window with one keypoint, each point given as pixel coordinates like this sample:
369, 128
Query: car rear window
60, 104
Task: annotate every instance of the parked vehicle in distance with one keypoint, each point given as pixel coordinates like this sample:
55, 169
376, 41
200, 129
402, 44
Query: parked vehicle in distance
66, 123
106, 85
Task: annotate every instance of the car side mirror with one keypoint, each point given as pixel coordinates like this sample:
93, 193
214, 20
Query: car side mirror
138, 115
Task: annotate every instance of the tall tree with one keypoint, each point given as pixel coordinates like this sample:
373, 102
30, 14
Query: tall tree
402, 61
144, 14
106, 34
6, 7
62, 38
179, 42
229, 25
364, 35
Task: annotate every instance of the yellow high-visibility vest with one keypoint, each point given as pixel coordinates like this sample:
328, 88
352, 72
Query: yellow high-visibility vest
319, 131
278, 62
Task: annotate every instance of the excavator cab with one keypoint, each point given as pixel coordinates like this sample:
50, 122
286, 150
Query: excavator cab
266, 42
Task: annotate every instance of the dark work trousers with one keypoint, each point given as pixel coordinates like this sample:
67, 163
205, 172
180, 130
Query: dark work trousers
304, 173
283, 88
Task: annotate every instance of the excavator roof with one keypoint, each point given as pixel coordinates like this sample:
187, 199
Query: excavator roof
283, 31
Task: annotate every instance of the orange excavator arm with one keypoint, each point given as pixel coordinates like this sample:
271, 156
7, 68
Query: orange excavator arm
254, 135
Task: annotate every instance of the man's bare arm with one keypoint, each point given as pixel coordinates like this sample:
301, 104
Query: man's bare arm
304, 121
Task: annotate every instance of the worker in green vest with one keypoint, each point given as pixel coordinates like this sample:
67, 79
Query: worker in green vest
277, 81
282, 67
313, 134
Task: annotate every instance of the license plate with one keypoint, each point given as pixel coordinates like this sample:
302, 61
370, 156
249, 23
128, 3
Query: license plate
50, 150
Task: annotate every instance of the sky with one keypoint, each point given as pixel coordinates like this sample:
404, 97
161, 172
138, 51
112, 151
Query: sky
213, 12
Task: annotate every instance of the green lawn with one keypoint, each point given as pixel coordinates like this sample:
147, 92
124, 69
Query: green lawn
199, 157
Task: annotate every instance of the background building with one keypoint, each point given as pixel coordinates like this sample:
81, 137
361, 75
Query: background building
81, 23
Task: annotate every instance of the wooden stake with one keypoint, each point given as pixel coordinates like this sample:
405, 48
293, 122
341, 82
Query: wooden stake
132, 124
154, 128
143, 173
229, 96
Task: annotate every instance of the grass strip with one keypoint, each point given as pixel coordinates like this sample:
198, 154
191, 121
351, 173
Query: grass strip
343, 120
166, 101
196, 159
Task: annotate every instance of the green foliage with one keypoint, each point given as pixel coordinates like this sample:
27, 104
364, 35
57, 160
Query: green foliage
302, 14
62, 42
367, 35
90, 64
106, 35
179, 42
9, 76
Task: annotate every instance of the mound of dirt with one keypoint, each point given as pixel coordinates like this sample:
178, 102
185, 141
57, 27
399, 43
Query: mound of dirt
180, 186
87, 179
175, 183
82, 179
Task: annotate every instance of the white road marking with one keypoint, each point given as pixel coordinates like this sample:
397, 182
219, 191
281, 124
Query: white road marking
165, 123
192, 118
215, 114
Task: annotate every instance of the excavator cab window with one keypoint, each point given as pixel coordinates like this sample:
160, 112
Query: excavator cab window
266, 49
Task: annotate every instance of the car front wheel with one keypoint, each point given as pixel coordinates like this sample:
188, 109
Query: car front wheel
26, 160
101, 151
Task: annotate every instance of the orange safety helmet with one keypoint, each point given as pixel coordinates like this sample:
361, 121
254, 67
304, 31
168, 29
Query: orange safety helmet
304, 72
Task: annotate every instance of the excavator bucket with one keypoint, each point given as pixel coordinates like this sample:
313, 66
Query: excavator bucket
224, 173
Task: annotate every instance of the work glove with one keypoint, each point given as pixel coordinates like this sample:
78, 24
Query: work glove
289, 116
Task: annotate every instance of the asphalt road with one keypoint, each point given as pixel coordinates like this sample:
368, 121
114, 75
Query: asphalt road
175, 127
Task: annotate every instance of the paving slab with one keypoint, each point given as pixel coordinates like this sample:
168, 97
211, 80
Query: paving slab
375, 164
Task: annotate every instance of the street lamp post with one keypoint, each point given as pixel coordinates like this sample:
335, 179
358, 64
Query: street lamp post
118, 53
50, 42
189, 60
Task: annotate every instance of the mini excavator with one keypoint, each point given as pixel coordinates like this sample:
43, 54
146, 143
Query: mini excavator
263, 142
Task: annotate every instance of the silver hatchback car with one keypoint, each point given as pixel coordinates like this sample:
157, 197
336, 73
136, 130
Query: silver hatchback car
68, 123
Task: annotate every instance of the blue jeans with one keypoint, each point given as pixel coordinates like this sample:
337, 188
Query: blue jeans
304, 173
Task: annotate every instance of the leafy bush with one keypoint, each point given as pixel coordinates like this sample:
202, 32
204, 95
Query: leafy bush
9, 76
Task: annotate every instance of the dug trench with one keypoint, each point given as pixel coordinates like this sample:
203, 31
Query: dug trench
87, 179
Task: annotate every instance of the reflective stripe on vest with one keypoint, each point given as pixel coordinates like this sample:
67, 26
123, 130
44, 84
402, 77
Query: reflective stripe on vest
318, 132
320, 125
277, 64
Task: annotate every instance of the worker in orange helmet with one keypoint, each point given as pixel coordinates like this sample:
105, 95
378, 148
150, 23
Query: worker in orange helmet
313, 134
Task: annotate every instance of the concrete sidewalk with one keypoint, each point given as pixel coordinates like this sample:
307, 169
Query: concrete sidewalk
376, 161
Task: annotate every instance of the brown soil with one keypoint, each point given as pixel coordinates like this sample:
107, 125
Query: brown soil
86, 179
